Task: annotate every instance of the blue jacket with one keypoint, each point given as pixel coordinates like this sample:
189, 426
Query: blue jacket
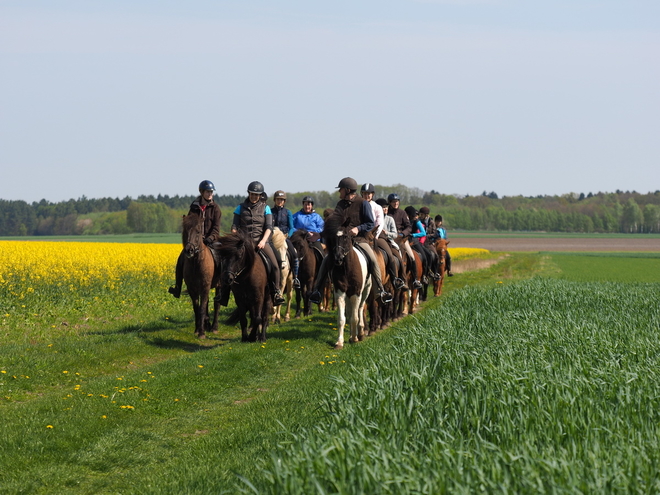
311, 222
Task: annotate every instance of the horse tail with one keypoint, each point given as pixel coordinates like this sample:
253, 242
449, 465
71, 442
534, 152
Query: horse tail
233, 318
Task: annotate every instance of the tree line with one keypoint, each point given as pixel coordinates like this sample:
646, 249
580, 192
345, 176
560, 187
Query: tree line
628, 212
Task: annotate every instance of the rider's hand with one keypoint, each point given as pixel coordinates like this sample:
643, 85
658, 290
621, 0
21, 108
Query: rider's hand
261, 245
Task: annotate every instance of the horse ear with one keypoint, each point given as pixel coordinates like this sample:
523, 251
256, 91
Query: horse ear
447, 242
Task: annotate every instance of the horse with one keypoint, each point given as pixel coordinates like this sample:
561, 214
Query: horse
245, 273
286, 284
441, 249
350, 277
379, 311
307, 269
199, 273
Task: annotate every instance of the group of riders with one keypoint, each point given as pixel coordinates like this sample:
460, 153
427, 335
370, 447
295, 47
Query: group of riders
360, 215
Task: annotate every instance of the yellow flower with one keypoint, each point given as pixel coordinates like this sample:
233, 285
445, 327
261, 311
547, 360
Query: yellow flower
49, 426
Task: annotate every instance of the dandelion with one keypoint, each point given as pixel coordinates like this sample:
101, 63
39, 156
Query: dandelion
321, 362
65, 372
104, 417
200, 366
3, 371
49, 426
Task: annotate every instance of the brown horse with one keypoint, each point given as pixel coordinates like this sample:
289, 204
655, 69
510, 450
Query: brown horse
245, 273
379, 311
351, 280
286, 280
199, 273
307, 270
441, 249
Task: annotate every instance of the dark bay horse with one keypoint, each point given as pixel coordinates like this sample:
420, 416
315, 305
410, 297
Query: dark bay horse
307, 270
199, 273
244, 271
350, 277
379, 311
441, 249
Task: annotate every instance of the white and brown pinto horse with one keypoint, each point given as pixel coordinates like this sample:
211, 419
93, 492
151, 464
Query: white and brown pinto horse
350, 278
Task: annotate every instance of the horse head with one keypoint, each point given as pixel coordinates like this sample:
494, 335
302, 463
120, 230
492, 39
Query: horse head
237, 252
193, 235
342, 246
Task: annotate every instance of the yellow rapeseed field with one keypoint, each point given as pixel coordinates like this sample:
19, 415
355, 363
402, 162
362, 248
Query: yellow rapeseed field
79, 264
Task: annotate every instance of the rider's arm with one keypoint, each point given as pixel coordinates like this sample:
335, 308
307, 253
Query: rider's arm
366, 217
421, 230
289, 217
236, 221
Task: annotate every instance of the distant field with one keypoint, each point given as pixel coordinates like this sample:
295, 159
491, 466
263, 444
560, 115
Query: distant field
556, 242
143, 238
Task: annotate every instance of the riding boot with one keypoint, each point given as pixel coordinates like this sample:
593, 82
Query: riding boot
278, 300
296, 266
175, 290
315, 296
223, 297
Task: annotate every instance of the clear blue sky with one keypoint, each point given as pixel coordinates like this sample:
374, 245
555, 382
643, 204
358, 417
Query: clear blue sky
121, 98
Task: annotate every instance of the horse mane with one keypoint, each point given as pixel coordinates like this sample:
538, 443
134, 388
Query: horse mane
278, 238
300, 235
229, 245
333, 224
188, 222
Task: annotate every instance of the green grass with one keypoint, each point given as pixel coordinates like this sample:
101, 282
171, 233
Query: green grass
618, 267
457, 397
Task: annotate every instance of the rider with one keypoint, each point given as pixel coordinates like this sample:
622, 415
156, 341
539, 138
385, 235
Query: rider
253, 216
202, 205
418, 235
283, 220
442, 234
308, 220
359, 220
403, 228
425, 218
367, 191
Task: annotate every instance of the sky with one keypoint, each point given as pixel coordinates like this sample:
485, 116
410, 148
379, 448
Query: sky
124, 98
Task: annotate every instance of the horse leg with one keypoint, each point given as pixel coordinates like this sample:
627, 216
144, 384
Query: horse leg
203, 314
341, 319
353, 309
244, 325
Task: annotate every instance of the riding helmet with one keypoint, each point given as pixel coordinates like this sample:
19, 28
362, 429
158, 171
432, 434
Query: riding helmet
206, 185
255, 187
368, 188
279, 194
308, 199
381, 202
411, 211
348, 183
425, 210
393, 197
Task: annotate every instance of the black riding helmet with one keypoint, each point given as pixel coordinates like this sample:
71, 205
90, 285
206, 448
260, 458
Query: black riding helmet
206, 185
381, 202
308, 199
255, 187
393, 197
368, 187
411, 211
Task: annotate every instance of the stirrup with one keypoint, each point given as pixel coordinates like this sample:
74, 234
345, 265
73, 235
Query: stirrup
399, 283
385, 296
417, 285
296, 283
315, 297
436, 276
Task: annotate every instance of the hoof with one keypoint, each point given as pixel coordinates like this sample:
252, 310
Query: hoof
201, 336
338, 346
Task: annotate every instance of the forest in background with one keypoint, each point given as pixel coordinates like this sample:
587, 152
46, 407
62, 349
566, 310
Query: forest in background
625, 212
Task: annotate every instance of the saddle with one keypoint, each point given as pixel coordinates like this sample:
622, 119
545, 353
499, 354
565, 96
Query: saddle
319, 252
267, 264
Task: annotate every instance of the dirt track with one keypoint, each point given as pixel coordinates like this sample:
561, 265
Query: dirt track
555, 244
